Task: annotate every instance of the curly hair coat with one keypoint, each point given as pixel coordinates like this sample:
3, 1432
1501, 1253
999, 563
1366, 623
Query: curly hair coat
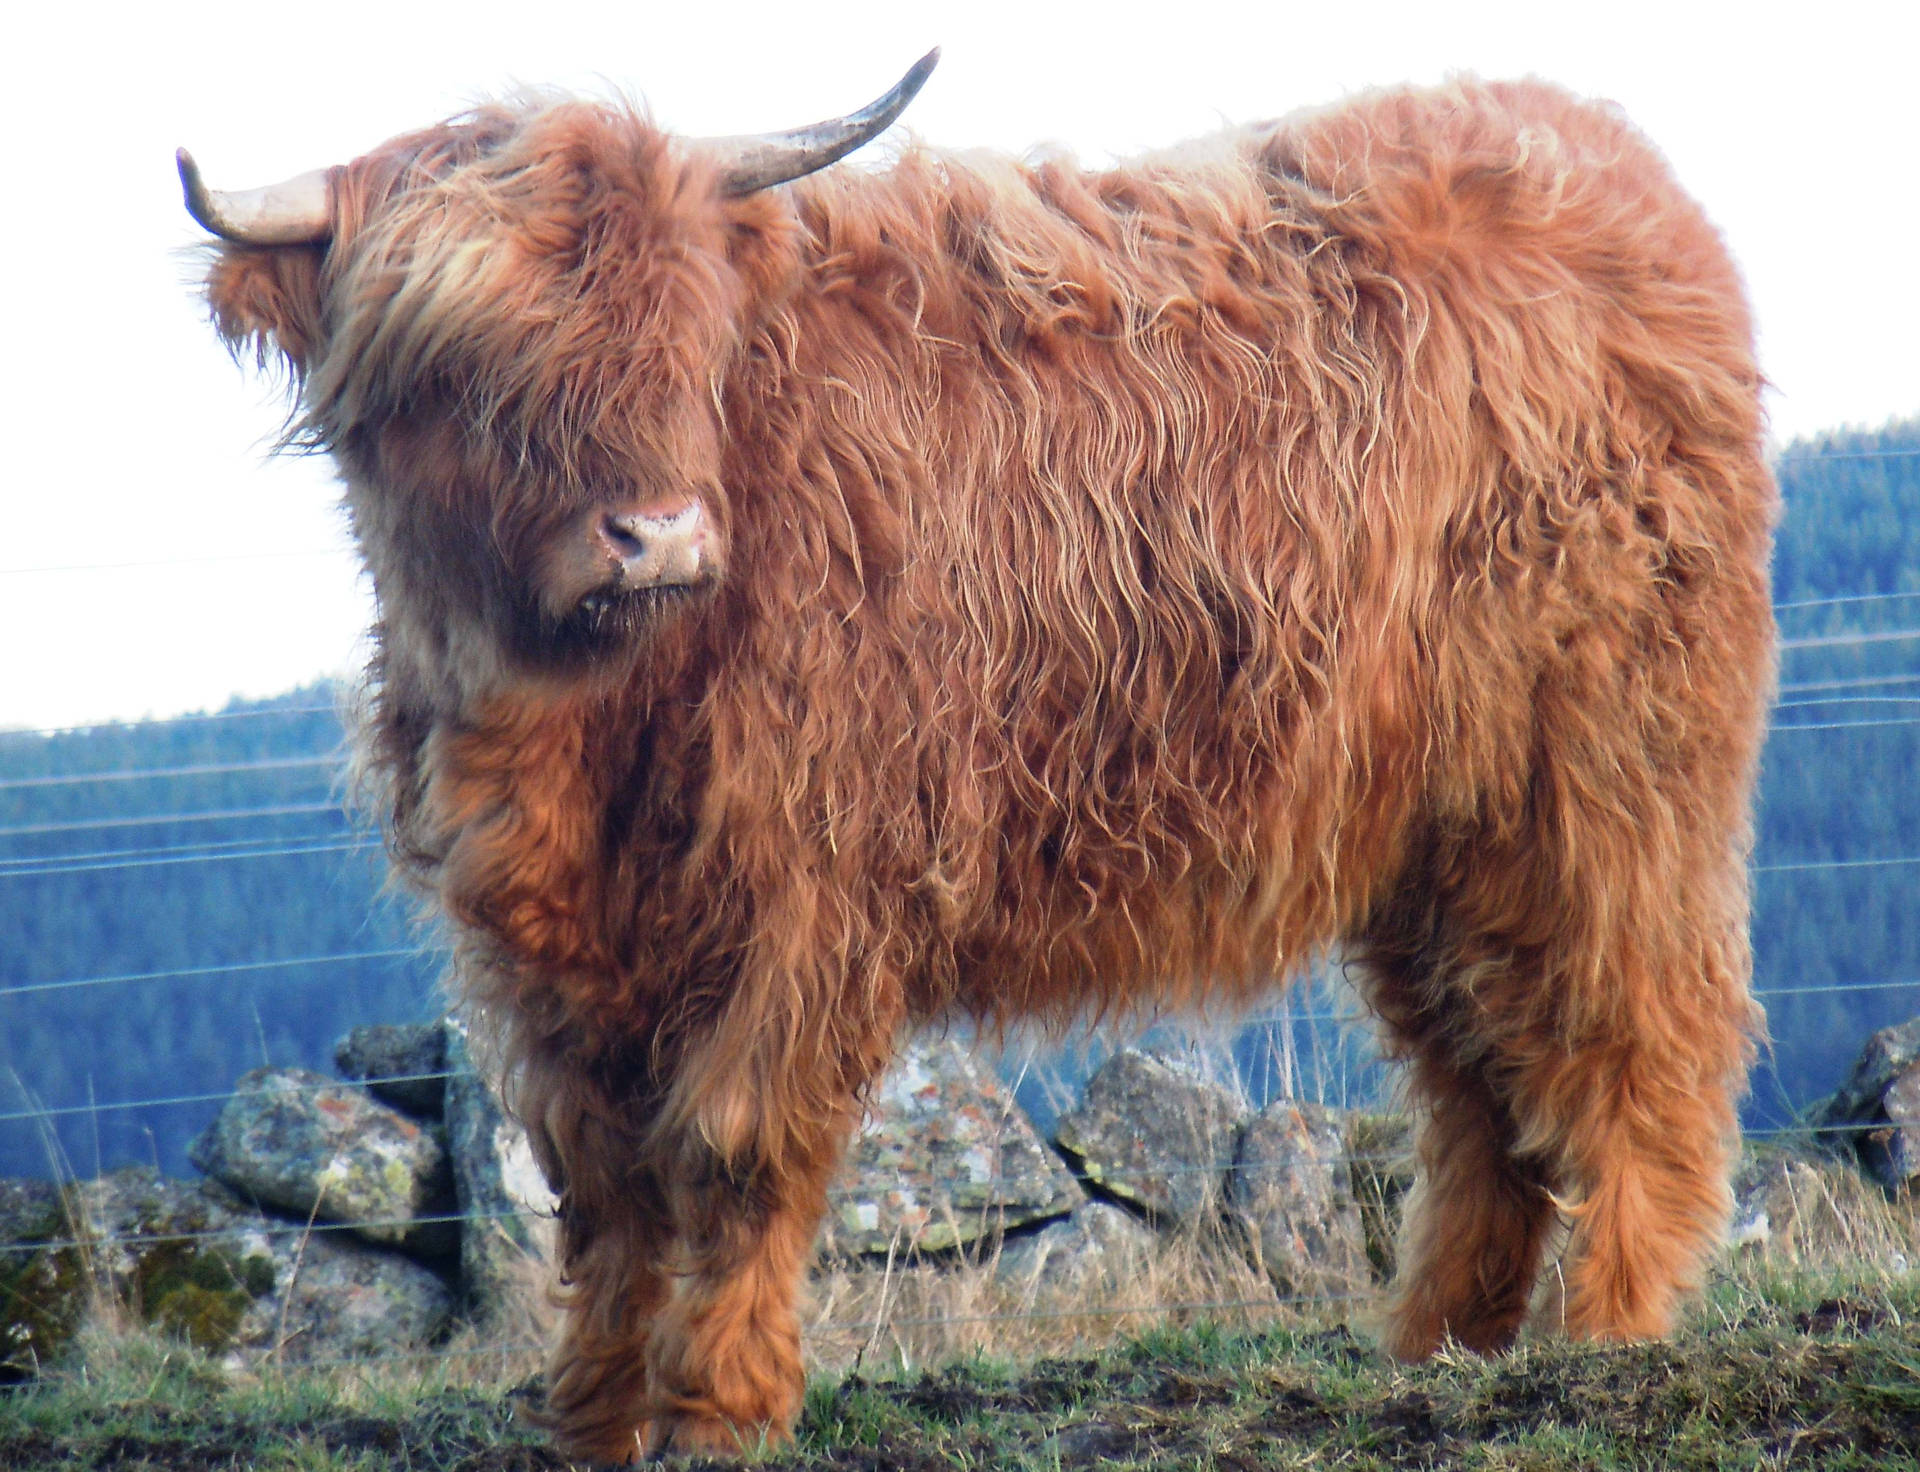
1118, 587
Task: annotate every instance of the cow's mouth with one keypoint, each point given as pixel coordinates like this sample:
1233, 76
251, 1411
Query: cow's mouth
614, 614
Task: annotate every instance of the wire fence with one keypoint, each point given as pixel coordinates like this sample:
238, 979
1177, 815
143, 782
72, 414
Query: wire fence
203, 769
1799, 709
202, 718
1002, 1192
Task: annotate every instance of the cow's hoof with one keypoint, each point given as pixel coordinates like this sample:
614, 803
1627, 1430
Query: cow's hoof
605, 1453
704, 1436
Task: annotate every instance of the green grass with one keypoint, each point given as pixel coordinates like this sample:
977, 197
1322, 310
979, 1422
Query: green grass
1782, 1372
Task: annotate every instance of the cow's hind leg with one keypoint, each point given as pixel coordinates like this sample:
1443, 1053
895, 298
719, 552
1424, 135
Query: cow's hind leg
1474, 1228
1625, 900
1638, 1108
1587, 1031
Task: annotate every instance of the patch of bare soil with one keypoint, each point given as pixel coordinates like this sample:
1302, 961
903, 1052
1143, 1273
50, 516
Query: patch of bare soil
1832, 1314
458, 1433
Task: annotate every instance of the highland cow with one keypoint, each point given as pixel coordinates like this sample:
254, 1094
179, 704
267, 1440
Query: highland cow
1010, 590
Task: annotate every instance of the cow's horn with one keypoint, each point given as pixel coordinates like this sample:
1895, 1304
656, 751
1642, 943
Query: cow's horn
297, 212
775, 158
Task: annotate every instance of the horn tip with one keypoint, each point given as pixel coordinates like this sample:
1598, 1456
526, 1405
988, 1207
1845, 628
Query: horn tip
194, 190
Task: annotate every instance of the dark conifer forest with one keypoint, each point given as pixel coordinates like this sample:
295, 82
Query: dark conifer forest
183, 900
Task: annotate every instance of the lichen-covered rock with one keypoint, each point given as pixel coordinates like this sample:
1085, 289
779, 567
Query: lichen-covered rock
1888, 1053
310, 1146
1889, 1148
1100, 1246
168, 1250
1155, 1133
43, 1285
945, 1159
1877, 1108
191, 1258
335, 1297
1783, 1201
506, 1206
404, 1066
1291, 1194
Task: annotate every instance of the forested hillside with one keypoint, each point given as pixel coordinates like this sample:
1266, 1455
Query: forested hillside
182, 900
1838, 857
233, 847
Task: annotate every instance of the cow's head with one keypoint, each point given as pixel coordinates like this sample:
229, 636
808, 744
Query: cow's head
511, 331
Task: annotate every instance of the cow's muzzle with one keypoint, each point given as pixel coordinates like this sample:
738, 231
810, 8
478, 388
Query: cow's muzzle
608, 556
655, 548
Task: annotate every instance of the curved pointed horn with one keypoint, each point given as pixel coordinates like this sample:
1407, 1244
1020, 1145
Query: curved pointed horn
298, 212
760, 162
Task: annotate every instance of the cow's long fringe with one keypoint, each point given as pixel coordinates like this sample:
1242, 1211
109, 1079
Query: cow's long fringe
1345, 532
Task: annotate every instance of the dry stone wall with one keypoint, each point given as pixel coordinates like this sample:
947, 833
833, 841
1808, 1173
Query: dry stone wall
372, 1214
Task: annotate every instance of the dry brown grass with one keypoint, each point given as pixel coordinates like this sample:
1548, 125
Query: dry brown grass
1808, 1213
908, 1315
1822, 1222
1805, 1217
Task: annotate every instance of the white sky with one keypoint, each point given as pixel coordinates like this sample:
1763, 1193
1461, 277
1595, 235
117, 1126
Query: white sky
131, 439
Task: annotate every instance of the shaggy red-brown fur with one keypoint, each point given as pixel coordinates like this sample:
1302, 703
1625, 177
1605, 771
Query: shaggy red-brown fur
1346, 532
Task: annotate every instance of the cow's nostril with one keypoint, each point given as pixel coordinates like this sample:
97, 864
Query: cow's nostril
622, 537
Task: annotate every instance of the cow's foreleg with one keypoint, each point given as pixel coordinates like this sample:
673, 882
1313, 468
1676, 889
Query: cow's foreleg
684, 1232
597, 1382
724, 1356
614, 1231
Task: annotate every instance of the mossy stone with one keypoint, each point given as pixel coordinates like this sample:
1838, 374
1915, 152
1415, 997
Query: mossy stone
43, 1285
200, 1293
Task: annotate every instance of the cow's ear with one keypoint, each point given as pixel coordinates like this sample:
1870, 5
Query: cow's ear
266, 301
762, 246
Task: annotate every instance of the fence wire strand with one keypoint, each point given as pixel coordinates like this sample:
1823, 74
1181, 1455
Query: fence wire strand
1855, 682
27, 862
424, 954
157, 820
231, 968
83, 732
1777, 729
319, 845
198, 769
